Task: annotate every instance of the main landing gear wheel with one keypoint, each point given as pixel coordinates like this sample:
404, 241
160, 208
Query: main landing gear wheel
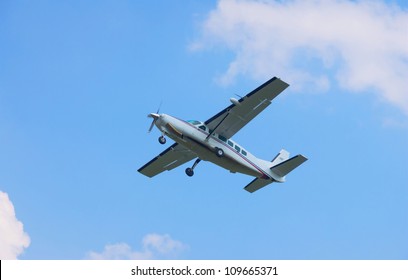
189, 172
162, 140
219, 152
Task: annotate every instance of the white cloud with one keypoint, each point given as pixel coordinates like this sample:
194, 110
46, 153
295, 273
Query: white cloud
154, 246
360, 45
389, 122
13, 239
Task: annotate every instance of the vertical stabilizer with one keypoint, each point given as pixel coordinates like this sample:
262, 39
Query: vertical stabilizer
281, 157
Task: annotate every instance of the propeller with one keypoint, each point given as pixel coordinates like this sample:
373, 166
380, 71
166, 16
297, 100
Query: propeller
155, 116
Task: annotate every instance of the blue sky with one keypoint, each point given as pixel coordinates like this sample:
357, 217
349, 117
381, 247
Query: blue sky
77, 81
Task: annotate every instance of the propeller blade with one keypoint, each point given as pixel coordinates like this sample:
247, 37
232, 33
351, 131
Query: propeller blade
151, 126
155, 116
158, 109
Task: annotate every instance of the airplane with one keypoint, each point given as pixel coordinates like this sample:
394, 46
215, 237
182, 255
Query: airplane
211, 141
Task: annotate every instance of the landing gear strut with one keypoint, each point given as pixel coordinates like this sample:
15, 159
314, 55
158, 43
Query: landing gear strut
190, 170
162, 140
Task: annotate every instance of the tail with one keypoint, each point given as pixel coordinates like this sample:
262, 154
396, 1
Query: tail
283, 165
280, 166
282, 156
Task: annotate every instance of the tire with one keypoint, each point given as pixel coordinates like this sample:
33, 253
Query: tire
219, 152
189, 172
162, 140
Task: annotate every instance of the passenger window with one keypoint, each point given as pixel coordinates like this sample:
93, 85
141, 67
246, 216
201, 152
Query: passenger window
222, 138
230, 143
244, 152
202, 127
237, 148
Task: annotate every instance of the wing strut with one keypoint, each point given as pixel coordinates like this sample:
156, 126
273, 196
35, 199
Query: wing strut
215, 128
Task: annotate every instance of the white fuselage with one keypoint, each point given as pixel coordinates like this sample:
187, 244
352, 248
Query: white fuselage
194, 135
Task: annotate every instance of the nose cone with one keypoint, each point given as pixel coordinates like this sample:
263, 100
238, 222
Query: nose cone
154, 116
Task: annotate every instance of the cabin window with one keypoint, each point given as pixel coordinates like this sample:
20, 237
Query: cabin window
222, 138
244, 152
202, 127
230, 143
237, 148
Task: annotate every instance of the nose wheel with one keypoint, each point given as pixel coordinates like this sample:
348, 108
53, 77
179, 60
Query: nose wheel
162, 140
190, 170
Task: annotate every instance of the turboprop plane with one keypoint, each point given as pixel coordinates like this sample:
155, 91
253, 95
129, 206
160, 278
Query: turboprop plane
211, 141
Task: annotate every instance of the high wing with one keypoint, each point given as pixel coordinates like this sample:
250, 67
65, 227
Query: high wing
230, 120
170, 158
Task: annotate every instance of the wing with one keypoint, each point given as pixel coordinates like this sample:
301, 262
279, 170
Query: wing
170, 158
230, 120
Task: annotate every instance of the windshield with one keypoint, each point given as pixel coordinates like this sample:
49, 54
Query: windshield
193, 122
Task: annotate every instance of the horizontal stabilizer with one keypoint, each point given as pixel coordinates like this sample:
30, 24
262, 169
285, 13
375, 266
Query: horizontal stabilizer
257, 184
283, 168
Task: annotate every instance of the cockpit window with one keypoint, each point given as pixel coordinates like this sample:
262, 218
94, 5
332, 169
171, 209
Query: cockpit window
193, 122
203, 127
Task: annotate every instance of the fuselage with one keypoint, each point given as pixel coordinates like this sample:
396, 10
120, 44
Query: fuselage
196, 136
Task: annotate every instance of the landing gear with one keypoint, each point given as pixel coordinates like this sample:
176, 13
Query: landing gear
162, 140
190, 170
219, 152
